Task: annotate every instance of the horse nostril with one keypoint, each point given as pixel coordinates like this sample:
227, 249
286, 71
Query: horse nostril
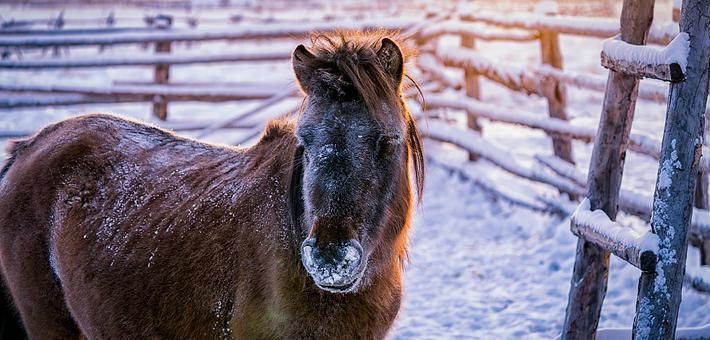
337, 264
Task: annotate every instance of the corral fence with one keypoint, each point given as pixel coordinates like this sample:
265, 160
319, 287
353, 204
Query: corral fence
549, 81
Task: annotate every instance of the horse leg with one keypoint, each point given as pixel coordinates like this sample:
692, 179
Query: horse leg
35, 289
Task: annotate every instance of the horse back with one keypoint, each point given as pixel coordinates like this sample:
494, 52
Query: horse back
112, 203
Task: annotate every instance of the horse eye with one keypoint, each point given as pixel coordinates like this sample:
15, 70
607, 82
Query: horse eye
386, 146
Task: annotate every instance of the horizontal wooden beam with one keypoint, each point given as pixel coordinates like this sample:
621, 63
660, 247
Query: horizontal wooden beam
667, 64
637, 247
134, 93
145, 60
469, 29
666, 72
630, 202
241, 32
556, 127
573, 25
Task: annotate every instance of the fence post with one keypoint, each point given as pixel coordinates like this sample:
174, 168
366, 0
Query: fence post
591, 267
473, 89
555, 92
162, 71
660, 291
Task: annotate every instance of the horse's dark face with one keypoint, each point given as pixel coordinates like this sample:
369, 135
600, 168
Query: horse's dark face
351, 164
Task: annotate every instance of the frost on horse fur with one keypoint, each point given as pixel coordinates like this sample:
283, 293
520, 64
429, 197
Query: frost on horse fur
111, 228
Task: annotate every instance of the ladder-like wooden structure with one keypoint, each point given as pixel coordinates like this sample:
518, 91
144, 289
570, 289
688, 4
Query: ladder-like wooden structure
662, 267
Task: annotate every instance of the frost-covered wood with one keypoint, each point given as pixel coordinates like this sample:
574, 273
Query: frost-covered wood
666, 64
631, 202
241, 32
472, 86
591, 268
515, 78
472, 141
429, 65
638, 247
530, 79
469, 29
145, 60
490, 187
592, 27
557, 127
660, 292
147, 92
555, 92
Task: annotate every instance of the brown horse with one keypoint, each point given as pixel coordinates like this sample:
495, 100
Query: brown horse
112, 229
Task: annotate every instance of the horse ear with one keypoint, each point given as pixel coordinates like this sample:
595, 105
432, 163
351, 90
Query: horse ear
301, 61
391, 58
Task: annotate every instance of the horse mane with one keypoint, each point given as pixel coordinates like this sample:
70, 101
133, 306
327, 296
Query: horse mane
346, 61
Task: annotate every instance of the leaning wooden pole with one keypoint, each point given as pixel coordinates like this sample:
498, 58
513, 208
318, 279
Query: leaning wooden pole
591, 266
660, 291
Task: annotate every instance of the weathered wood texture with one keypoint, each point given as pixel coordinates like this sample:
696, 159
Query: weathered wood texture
666, 72
162, 76
147, 60
644, 260
660, 292
241, 32
473, 89
591, 268
702, 202
590, 27
555, 93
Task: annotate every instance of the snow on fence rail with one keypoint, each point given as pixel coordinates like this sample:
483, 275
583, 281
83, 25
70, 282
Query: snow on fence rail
241, 32
145, 60
529, 79
569, 178
592, 27
469, 29
642, 61
80, 94
553, 126
636, 246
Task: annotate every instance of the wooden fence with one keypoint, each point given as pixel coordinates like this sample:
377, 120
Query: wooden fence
549, 81
656, 314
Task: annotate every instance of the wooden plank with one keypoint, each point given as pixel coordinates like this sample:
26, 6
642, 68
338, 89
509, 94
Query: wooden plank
666, 72
660, 292
241, 32
516, 79
555, 93
206, 93
468, 29
145, 60
630, 202
473, 89
553, 126
161, 76
610, 236
591, 268
573, 25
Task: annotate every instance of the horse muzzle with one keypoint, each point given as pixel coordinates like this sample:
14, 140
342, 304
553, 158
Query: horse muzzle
337, 267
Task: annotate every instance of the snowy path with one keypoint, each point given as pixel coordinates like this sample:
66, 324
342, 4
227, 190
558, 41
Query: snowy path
482, 269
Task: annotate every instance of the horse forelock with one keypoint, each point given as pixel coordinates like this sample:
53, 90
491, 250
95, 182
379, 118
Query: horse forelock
346, 61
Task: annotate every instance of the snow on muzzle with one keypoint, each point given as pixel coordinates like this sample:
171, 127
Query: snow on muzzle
337, 268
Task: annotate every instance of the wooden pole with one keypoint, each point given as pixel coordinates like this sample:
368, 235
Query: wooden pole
702, 202
162, 75
591, 266
555, 92
473, 89
660, 292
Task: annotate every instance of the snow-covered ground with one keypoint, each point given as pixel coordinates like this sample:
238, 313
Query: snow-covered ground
480, 268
